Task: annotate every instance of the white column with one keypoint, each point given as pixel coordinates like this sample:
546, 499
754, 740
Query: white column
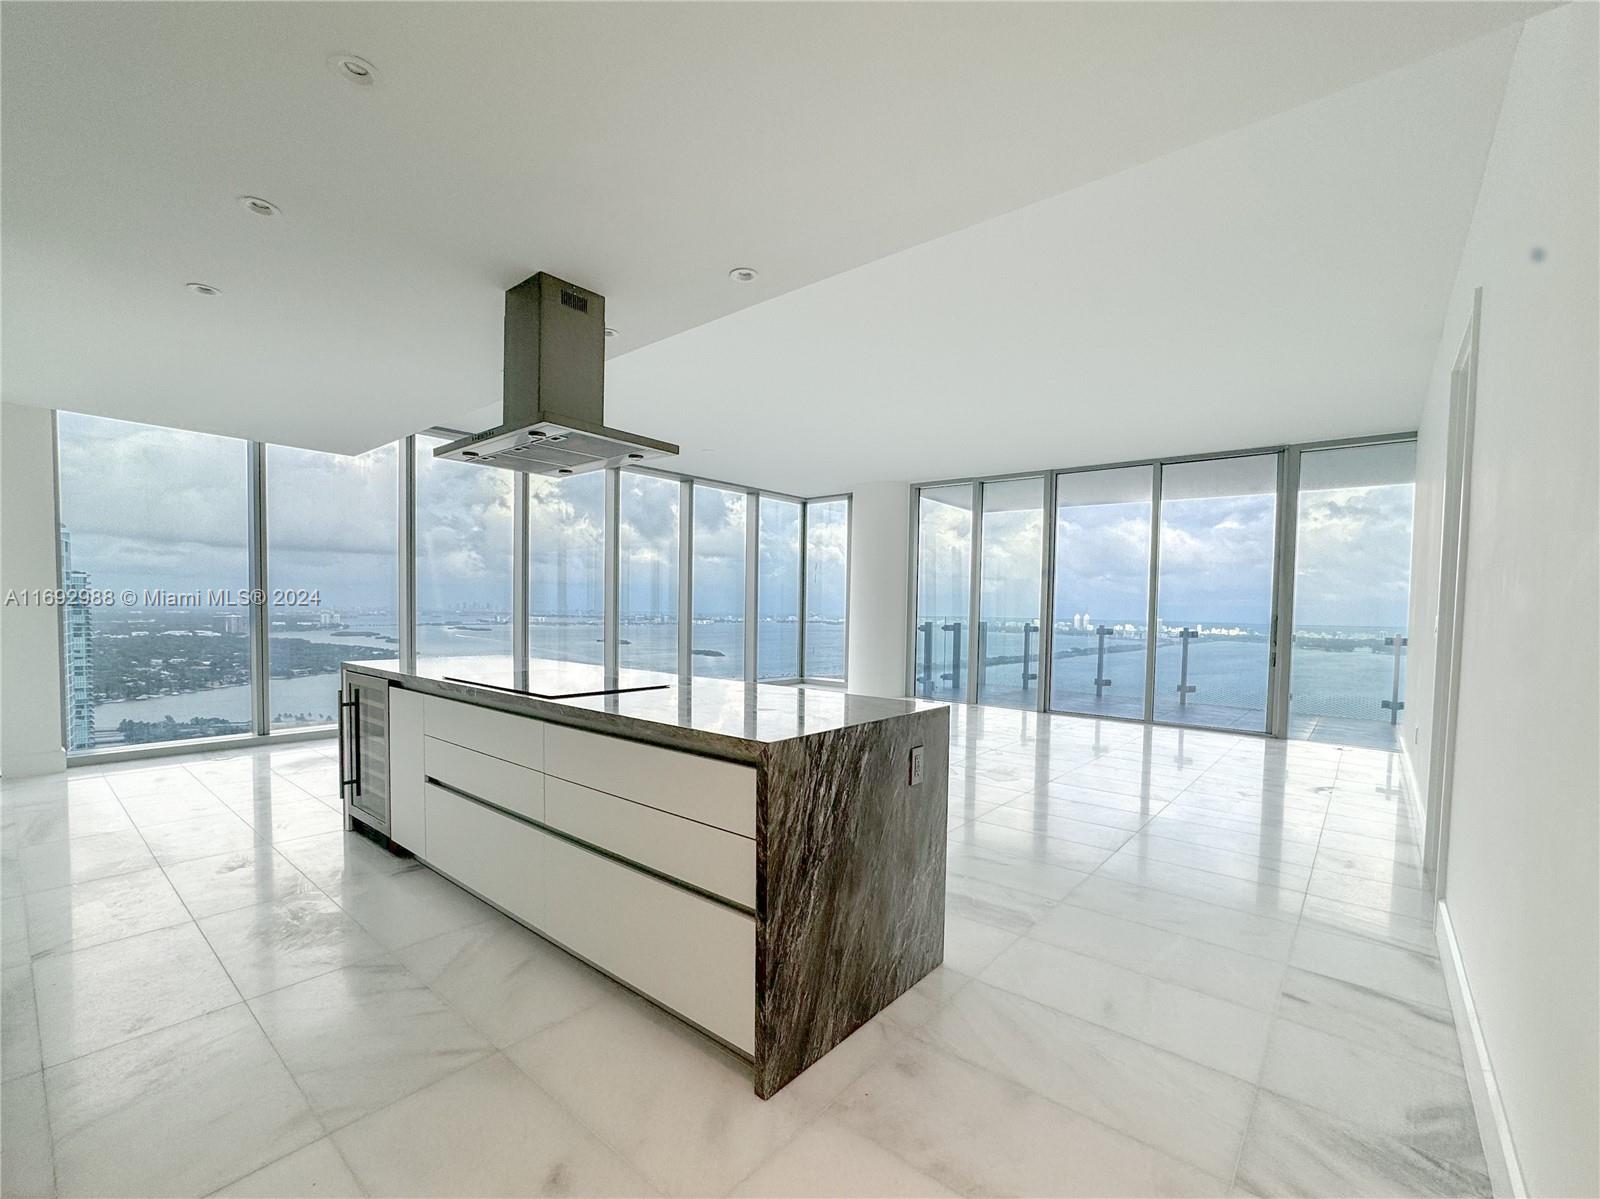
30, 653
880, 582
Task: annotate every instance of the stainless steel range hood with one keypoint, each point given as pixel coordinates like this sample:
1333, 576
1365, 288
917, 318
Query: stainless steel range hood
553, 421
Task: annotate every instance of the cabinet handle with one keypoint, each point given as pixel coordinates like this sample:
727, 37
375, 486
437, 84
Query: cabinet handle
355, 747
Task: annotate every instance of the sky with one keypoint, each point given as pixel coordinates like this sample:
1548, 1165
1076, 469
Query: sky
332, 525
1352, 567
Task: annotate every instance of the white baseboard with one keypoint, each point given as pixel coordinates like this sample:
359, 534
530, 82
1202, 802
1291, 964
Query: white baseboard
1505, 1172
37, 762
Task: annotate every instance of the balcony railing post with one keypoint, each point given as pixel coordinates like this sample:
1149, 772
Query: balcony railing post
982, 663
1184, 690
1028, 631
954, 676
1394, 703
1100, 680
925, 629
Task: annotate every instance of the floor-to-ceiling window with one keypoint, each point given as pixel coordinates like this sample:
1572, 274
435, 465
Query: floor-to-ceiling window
1219, 541
1102, 591
647, 532
1214, 591
719, 581
566, 568
155, 563
1009, 587
944, 591
1352, 588
464, 560
778, 588
827, 584
332, 559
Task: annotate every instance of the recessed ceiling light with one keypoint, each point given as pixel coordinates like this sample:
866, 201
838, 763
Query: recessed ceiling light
354, 68
259, 206
610, 332
743, 274
203, 289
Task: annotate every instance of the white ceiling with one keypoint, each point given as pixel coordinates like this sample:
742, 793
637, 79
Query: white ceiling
1283, 282
642, 150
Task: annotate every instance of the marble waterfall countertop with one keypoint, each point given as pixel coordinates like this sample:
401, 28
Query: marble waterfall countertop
721, 717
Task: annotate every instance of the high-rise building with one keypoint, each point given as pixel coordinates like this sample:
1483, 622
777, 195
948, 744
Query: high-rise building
78, 643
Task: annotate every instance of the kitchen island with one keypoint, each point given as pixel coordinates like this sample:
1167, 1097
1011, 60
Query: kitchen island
766, 862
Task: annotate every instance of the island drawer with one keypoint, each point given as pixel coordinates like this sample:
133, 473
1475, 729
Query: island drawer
690, 954
718, 793
518, 739
500, 858
712, 859
504, 784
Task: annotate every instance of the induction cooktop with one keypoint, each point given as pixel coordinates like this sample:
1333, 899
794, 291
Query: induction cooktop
557, 692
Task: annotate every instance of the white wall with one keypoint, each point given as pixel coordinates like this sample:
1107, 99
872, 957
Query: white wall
880, 581
1524, 847
30, 663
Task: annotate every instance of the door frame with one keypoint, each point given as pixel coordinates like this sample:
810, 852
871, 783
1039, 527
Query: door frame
1450, 613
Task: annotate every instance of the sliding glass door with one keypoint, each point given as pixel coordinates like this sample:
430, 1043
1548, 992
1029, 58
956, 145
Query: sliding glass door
1352, 589
944, 591
1102, 591
1012, 541
1214, 591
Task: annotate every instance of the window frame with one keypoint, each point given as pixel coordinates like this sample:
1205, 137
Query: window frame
406, 582
1280, 636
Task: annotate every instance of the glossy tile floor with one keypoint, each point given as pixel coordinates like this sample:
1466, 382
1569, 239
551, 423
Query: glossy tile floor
1177, 963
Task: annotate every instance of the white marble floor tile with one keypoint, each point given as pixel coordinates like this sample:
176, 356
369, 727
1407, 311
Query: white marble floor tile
290, 819
1381, 867
82, 860
994, 904
54, 789
508, 982
1240, 978
1373, 1089
318, 1171
92, 998
198, 837
192, 801
15, 947
334, 861
827, 1160
43, 823
1043, 879
19, 1023
1250, 867
153, 781
486, 1130
1331, 914
1231, 928
361, 1037
106, 909
1414, 1031
1084, 811
1202, 1028
970, 945
27, 1168
1412, 902
978, 1133
1293, 1149
1042, 822
680, 1108
1271, 894
1392, 969
177, 1112
1192, 1112
996, 841
410, 906
287, 941
241, 879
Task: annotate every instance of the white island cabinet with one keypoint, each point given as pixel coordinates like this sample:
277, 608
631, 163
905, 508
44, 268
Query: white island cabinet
760, 861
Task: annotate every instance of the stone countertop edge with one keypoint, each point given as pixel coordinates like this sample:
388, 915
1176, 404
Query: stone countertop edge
633, 726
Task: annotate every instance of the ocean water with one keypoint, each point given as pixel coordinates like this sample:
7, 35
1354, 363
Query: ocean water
313, 699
